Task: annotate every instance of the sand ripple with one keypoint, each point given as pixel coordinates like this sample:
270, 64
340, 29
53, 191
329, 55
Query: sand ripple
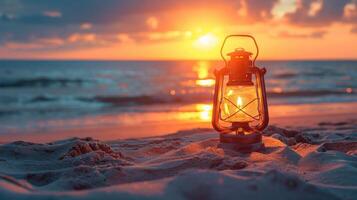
296, 164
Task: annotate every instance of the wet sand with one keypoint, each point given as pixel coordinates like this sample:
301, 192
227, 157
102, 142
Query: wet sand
136, 125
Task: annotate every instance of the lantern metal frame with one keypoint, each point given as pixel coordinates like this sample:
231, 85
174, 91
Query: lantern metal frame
254, 131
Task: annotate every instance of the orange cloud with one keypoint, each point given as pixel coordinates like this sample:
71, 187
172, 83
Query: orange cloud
153, 29
152, 22
77, 37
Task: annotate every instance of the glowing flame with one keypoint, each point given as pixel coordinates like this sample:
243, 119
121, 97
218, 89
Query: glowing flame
239, 102
226, 109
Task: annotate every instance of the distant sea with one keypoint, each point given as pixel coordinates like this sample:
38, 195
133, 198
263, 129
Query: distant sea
38, 90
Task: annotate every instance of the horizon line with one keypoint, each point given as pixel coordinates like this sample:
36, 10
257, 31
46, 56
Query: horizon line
165, 60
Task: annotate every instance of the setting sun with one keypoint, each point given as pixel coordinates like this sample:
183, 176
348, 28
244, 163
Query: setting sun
207, 41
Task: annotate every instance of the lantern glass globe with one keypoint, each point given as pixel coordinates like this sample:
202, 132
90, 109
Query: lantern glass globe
239, 104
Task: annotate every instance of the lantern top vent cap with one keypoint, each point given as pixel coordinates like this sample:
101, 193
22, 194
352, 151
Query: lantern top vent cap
239, 52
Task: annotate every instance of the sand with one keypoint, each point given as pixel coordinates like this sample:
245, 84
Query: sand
312, 162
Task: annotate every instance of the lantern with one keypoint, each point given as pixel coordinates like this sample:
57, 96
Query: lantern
240, 110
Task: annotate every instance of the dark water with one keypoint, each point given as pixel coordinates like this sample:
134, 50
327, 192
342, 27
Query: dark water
60, 89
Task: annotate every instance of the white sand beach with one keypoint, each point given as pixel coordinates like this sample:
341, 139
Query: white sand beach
310, 162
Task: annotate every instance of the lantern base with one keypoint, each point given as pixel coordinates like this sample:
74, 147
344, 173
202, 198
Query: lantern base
242, 142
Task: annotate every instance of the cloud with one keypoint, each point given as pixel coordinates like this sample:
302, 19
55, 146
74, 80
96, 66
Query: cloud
152, 22
350, 12
52, 13
86, 26
315, 35
260, 10
354, 30
29, 20
45, 43
81, 23
319, 12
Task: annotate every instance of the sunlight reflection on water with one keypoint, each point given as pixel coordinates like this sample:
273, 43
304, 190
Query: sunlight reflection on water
194, 113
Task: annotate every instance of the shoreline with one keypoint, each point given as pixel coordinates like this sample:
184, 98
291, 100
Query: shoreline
106, 126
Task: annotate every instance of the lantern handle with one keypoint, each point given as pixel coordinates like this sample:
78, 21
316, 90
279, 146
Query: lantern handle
239, 35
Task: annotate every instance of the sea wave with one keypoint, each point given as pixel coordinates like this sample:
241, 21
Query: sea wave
285, 75
73, 105
42, 82
161, 99
308, 93
290, 75
98, 101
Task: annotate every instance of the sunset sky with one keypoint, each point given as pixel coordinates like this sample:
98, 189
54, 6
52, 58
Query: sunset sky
170, 29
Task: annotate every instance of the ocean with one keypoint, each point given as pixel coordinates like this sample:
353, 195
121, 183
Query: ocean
40, 95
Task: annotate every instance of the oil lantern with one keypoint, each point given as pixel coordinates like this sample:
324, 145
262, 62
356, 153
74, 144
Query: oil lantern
240, 110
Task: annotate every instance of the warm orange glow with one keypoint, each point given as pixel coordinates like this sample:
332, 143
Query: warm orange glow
205, 111
202, 113
172, 92
202, 68
240, 104
277, 89
273, 47
207, 41
152, 22
195, 33
205, 82
145, 124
